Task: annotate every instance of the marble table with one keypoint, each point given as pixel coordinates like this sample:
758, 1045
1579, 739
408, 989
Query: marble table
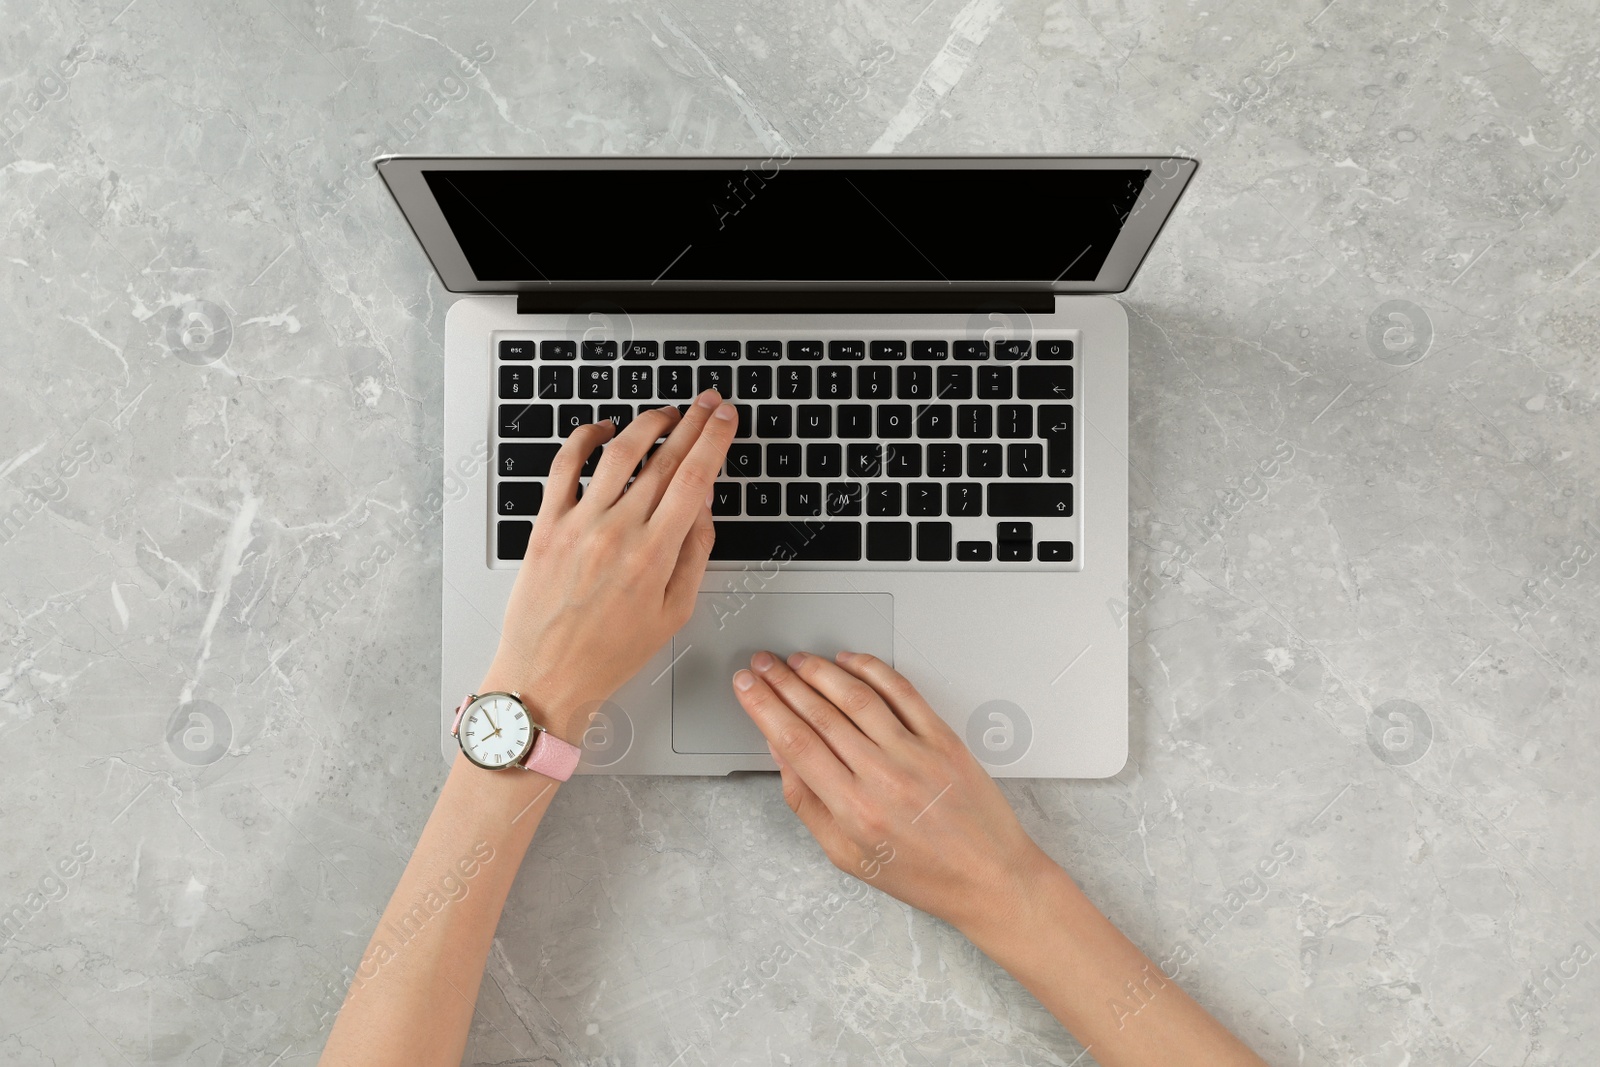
1360, 814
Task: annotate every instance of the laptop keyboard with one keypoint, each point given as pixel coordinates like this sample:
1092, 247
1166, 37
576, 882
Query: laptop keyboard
923, 452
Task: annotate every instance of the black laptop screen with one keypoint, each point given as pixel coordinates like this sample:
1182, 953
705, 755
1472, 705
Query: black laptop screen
786, 225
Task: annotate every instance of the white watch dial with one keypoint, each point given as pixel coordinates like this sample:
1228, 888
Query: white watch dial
495, 730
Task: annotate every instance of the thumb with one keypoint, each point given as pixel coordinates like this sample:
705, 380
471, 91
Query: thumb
813, 813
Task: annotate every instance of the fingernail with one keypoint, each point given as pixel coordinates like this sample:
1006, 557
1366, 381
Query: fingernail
709, 399
795, 659
743, 679
709, 496
725, 413
762, 661
844, 656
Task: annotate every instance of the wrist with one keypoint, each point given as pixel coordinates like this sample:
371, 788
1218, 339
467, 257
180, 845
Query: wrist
553, 701
1028, 890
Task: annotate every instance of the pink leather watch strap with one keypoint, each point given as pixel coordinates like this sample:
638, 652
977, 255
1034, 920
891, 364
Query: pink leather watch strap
553, 757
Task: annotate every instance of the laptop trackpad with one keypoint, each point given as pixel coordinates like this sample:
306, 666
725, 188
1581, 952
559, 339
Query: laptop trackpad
726, 631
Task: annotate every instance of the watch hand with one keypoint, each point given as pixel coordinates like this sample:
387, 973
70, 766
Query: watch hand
486, 715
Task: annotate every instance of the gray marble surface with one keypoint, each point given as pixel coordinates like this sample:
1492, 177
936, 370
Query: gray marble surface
1360, 815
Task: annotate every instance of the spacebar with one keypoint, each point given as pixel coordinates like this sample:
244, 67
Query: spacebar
785, 541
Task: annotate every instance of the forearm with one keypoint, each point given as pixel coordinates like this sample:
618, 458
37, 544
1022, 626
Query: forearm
1107, 993
412, 998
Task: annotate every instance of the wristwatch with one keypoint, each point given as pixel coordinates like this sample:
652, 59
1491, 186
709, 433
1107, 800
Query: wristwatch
495, 731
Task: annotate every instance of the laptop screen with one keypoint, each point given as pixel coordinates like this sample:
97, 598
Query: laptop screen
795, 225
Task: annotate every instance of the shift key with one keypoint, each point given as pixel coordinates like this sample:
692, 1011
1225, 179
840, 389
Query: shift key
1008, 499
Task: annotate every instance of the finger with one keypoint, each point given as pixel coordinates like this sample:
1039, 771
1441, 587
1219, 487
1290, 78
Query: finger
793, 740
898, 693
844, 737
663, 463
855, 698
561, 487
812, 812
623, 454
693, 555
685, 496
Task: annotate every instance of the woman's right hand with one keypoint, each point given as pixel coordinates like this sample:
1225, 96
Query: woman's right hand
887, 788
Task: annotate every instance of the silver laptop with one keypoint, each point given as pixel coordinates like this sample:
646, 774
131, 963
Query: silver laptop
931, 462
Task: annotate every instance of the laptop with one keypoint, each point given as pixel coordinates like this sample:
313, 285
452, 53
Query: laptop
931, 461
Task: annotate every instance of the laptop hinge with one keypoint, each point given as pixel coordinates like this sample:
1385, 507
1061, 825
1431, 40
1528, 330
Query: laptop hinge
749, 302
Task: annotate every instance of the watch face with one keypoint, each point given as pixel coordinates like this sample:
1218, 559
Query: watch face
495, 730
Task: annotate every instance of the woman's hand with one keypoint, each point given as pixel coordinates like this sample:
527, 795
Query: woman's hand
606, 580
890, 792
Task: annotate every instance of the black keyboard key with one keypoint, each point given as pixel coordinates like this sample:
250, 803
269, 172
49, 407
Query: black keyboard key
755, 382
924, 498
1044, 383
774, 421
711, 377
636, 383
794, 383
934, 421
1055, 349
804, 498
570, 416
975, 421
764, 350
883, 498
726, 350
596, 383
889, 540
824, 460
526, 461
833, 383
847, 350
933, 541
683, 349
904, 460
983, 461
894, 420
555, 383
641, 350
930, 350
974, 551
1055, 426
807, 350
783, 461
516, 383
621, 414
516, 349
747, 420
855, 421
558, 350
599, 350
1014, 551
725, 498
944, 461
1013, 532
913, 383
844, 498
1056, 551
972, 349
815, 420
888, 350
1012, 350
874, 383
1016, 421
994, 383
511, 538
520, 498
527, 420
1030, 498
761, 498
784, 541
866, 461
954, 382
964, 499
675, 383
744, 460
1025, 461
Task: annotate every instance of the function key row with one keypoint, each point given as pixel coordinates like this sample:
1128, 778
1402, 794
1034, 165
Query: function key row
803, 351
754, 381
